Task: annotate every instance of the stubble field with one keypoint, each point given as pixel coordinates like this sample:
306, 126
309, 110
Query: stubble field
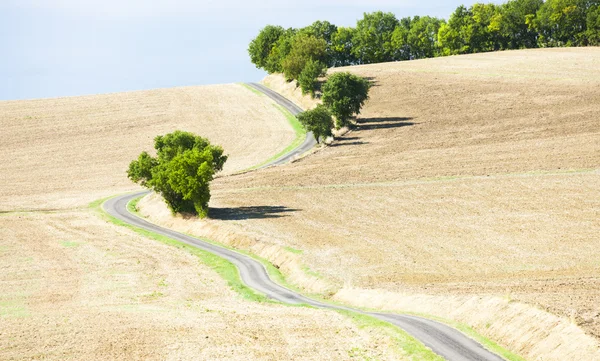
74, 286
471, 175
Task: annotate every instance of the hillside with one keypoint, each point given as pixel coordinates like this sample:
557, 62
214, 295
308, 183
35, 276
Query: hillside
65, 152
74, 286
467, 177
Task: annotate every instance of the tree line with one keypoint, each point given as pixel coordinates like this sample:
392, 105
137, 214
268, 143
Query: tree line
304, 54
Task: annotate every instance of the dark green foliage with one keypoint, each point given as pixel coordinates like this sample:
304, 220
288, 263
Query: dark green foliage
373, 37
309, 77
181, 172
416, 38
261, 46
593, 25
318, 121
304, 48
344, 94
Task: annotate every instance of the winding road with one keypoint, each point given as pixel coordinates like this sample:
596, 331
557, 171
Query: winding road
442, 339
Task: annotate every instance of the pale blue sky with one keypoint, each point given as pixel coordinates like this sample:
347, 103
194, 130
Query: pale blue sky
54, 48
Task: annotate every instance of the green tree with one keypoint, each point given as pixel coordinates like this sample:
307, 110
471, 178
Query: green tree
304, 48
471, 30
563, 22
593, 25
341, 45
309, 77
399, 42
261, 46
181, 172
318, 121
281, 49
513, 22
323, 30
344, 94
373, 37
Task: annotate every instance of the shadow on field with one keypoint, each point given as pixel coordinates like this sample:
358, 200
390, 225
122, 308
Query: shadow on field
255, 212
383, 123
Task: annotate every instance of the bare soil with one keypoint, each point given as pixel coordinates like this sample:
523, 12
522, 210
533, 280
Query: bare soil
468, 175
67, 152
74, 287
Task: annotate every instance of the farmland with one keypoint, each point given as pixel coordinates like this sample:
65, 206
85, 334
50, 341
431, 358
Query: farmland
75, 286
469, 176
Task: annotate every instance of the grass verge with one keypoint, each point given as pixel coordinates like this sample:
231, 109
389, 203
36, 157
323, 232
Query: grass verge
224, 268
406, 344
300, 136
469, 331
259, 93
294, 123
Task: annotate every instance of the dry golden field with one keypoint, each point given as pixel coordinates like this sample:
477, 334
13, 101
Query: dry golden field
76, 287
67, 152
471, 175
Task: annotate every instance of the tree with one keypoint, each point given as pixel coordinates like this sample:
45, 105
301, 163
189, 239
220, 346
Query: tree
422, 37
593, 25
304, 48
373, 37
308, 78
563, 22
344, 95
261, 46
514, 23
342, 45
323, 30
181, 172
279, 51
318, 121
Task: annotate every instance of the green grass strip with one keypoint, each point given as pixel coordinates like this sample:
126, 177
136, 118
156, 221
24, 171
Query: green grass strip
224, 268
252, 89
469, 331
407, 344
294, 123
300, 136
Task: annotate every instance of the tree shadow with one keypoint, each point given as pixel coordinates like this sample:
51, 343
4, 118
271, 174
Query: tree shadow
253, 212
372, 81
383, 123
341, 143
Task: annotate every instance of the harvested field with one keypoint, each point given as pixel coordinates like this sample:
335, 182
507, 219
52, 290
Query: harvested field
471, 175
77, 288
67, 152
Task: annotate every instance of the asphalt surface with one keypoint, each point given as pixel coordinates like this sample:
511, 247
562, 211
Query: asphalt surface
442, 339
308, 143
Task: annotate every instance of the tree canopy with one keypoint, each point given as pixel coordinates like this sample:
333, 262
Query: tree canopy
380, 36
345, 94
318, 121
181, 172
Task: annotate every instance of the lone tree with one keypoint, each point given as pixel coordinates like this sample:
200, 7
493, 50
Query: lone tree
318, 121
344, 94
181, 172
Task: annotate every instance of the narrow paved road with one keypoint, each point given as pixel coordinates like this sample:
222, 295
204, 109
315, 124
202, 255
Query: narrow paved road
309, 142
442, 339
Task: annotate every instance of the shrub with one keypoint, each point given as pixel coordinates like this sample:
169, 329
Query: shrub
181, 172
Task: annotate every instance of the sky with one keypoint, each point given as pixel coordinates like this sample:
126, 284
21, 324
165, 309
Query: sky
55, 48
